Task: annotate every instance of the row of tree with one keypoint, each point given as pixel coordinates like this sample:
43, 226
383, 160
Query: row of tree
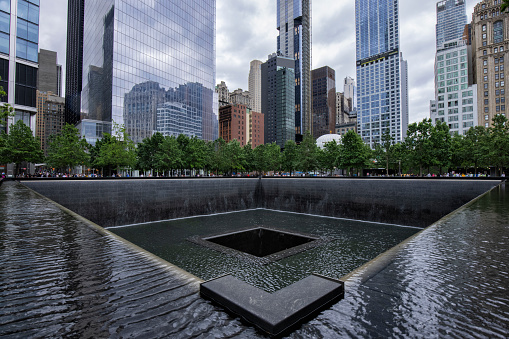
427, 148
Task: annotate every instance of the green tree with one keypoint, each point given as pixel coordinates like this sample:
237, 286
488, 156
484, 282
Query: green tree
6, 110
233, 157
419, 145
114, 152
248, 154
290, 156
499, 143
272, 154
441, 145
196, 153
20, 146
330, 155
170, 156
384, 151
308, 154
67, 149
149, 153
505, 6
354, 152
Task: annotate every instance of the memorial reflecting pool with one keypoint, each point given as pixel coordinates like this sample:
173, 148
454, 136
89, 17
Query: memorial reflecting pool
62, 276
346, 245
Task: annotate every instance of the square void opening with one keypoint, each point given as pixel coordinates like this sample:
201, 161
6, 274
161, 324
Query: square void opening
261, 245
260, 242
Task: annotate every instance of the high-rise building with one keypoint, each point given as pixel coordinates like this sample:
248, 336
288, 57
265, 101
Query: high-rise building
294, 41
451, 20
404, 96
19, 57
324, 101
278, 99
49, 77
455, 97
74, 60
50, 117
490, 40
349, 92
378, 70
346, 115
255, 85
127, 44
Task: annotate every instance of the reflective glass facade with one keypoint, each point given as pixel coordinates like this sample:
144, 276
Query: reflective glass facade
451, 20
19, 54
378, 70
142, 57
294, 41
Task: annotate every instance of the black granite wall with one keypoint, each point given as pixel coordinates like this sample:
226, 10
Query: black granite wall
416, 202
122, 202
412, 202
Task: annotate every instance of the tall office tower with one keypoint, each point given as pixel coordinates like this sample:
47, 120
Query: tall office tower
50, 117
255, 85
19, 48
74, 60
132, 46
294, 41
378, 70
349, 92
490, 40
324, 101
49, 77
404, 96
346, 116
278, 99
451, 20
455, 97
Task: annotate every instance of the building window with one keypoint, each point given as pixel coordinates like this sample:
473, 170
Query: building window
498, 31
484, 28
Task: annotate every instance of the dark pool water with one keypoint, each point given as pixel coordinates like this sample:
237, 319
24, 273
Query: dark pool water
351, 244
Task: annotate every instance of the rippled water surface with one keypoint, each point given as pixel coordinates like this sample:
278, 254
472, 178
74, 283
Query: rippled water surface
353, 244
59, 277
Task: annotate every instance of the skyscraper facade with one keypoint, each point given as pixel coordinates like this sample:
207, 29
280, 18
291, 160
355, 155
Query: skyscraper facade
255, 85
404, 96
451, 20
74, 60
19, 57
49, 77
278, 99
135, 46
294, 41
378, 69
455, 95
324, 101
490, 41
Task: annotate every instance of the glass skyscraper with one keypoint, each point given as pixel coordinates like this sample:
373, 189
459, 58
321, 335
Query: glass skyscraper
451, 20
455, 94
141, 58
378, 70
294, 41
19, 51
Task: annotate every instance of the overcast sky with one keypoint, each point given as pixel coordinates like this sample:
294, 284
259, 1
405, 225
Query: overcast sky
246, 30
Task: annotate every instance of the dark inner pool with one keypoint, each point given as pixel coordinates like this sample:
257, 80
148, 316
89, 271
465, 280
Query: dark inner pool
350, 245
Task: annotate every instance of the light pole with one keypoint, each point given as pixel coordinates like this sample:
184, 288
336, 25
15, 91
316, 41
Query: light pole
399, 162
